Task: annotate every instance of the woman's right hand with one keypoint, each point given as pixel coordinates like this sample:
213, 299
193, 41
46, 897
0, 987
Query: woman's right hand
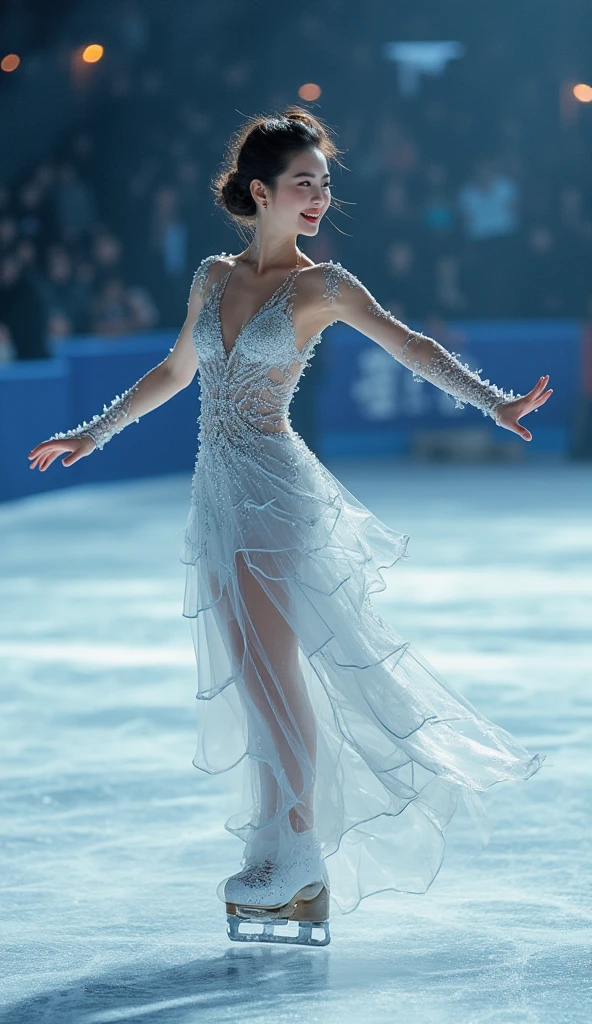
48, 451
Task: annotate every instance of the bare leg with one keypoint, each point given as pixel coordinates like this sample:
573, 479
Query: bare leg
267, 646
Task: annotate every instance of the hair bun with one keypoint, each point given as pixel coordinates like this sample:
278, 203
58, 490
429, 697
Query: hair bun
236, 197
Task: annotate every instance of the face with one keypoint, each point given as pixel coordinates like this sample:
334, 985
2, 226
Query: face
303, 189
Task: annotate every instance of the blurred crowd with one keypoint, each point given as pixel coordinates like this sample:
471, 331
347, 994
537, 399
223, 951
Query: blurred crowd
102, 236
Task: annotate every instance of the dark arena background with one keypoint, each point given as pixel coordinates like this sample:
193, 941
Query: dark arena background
463, 203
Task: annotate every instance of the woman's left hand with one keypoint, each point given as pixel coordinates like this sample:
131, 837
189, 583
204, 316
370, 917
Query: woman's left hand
508, 413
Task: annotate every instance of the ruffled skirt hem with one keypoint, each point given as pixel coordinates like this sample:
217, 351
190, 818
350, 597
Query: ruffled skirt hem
307, 688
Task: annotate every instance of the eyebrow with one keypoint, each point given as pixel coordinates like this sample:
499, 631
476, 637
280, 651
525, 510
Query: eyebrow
308, 174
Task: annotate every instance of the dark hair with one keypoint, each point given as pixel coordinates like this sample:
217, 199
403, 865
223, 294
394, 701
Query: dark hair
262, 148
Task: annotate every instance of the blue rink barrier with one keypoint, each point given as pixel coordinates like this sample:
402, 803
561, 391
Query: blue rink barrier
366, 402
373, 404
40, 397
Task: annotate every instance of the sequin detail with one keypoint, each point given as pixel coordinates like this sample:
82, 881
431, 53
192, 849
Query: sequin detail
256, 875
202, 272
429, 360
245, 394
251, 386
334, 274
105, 425
445, 370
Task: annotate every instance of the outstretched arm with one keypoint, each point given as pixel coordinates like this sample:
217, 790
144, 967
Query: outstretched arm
152, 390
352, 303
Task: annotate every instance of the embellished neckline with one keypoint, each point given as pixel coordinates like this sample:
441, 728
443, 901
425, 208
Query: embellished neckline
220, 292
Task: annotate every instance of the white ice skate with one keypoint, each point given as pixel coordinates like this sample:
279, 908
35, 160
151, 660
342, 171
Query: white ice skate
270, 895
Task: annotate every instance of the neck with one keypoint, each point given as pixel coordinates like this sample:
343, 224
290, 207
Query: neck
267, 253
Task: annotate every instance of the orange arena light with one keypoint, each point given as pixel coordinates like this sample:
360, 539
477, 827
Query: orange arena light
309, 92
10, 62
91, 54
583, 93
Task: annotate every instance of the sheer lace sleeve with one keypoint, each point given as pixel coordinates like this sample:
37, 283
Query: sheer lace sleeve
104, 425
426, 358
120, 413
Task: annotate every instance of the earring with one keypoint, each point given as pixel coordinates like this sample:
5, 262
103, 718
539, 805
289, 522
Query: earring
264, 203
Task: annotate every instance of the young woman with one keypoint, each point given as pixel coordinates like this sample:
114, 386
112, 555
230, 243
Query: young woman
354, 750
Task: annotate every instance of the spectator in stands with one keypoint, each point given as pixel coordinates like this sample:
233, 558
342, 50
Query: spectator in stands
573, 227
30, 212
126, 192
66, 296
106, 253
573, 216
406, 287
451, 298
398, 212
438, 214
489, 205
117, 309
5, 198
27, 254
7, 350
540, 280
22, 311
8, 233
169, 239
74, 205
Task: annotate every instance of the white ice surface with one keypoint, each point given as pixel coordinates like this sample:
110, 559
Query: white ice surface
113, 843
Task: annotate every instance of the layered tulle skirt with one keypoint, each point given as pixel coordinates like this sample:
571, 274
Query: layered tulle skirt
328, 716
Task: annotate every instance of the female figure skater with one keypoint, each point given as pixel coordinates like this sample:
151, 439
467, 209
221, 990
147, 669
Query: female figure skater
354, 750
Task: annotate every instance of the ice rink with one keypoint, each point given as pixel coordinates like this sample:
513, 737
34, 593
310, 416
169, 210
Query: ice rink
113, 843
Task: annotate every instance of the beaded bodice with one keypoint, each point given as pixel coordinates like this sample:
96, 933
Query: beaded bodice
251, 386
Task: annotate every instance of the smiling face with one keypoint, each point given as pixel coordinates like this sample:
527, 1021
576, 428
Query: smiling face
301, 196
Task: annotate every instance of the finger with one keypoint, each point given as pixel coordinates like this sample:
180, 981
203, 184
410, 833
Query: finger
544, 397
539, 386
537, 403
46, 446
534, 402
40, 448
36, 452
50, 457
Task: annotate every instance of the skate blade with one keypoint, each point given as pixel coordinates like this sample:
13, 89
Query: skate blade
304, 937
308, 914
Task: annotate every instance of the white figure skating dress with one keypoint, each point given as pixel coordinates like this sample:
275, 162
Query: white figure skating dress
327, 715
353, 753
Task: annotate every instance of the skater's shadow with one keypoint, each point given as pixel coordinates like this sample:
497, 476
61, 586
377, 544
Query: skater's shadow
208, 989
